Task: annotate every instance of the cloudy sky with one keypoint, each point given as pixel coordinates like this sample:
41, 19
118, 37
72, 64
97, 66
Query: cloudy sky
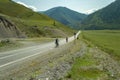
82, 6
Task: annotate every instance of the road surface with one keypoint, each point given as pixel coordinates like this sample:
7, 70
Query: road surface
15, 56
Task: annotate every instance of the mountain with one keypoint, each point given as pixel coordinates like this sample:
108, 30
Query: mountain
31, 23
106, 18
66, 16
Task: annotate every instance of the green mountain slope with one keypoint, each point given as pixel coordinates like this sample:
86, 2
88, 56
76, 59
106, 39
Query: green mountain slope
66, 16
31, 23
13, 9
106, 18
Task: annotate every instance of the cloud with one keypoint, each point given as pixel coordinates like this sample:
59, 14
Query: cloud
33, 8
90, 11
28, 6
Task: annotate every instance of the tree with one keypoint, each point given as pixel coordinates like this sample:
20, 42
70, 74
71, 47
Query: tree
54, 24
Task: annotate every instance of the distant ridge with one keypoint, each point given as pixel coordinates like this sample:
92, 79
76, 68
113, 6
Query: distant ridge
66, 16
106, 18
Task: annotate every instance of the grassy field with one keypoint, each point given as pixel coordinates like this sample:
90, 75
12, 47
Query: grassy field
107, 40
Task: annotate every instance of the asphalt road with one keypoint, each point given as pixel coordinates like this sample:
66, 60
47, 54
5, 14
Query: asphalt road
12, 57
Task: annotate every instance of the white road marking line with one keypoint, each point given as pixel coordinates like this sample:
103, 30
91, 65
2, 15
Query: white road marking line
22, 59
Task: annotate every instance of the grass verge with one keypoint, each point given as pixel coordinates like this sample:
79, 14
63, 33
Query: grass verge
84, 68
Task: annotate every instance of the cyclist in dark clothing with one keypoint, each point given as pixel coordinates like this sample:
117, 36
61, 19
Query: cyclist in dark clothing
56, 42
66, 39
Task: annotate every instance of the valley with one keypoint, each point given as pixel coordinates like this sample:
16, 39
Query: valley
59, 43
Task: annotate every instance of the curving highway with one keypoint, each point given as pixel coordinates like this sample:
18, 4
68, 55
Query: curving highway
12, 57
